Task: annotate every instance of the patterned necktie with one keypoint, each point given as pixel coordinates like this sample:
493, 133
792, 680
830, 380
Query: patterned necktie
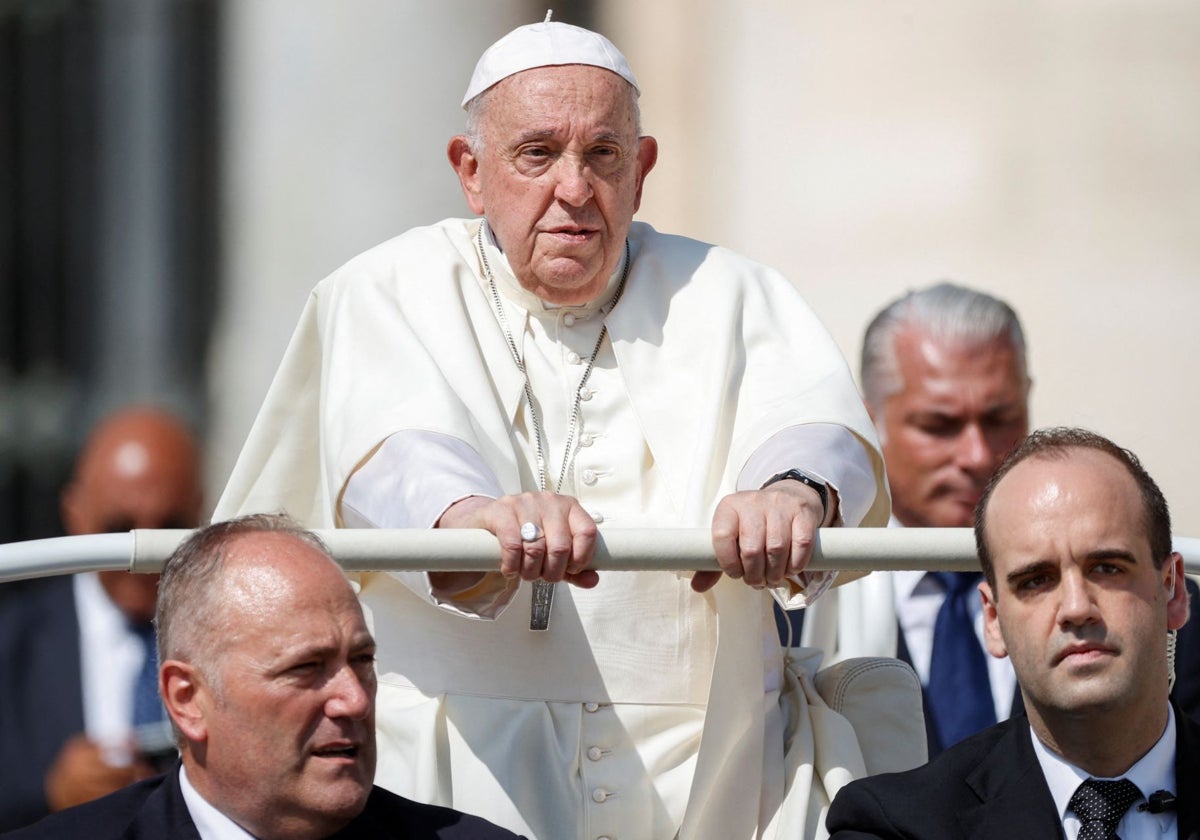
1100, 806
147, 708
959, 691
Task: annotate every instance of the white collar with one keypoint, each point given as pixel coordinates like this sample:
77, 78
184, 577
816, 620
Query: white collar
210, 822
1152, 772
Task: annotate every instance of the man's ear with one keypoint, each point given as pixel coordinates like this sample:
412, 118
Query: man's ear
993, 639
647, 156
466, 166
1175, 583
185, 697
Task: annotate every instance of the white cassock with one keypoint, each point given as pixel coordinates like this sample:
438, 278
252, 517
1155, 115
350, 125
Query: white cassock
646, 710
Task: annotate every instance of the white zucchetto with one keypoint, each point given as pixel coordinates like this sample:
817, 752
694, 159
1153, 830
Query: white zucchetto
545, 44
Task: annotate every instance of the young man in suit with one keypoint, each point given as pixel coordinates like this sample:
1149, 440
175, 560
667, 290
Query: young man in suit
1081, 591
267, 670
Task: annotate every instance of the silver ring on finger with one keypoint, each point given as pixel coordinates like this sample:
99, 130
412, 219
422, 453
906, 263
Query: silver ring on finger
530, 532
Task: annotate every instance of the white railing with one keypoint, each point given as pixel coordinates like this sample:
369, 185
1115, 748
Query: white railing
463, 550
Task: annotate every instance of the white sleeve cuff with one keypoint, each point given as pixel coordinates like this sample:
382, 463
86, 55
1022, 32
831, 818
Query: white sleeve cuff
409, 482
831, 453
828, 451
412, 478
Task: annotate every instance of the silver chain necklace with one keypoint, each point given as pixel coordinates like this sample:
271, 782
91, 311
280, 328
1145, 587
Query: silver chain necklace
543, 591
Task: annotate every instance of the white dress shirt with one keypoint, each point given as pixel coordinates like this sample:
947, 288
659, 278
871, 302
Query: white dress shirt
1155, 771
111, 657
210, 823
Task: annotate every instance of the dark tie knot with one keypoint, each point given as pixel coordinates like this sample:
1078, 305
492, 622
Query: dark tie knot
956, 583
1100, 804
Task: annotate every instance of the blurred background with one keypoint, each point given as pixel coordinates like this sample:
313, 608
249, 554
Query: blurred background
175, 175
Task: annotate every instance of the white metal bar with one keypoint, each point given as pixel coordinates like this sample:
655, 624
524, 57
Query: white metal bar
460, 550
65, 555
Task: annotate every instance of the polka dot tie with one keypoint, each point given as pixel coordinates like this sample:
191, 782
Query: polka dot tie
1100, 806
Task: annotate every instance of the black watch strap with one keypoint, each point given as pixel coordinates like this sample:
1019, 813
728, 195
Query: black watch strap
806, 479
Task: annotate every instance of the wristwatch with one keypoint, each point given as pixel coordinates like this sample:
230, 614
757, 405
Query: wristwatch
806, 479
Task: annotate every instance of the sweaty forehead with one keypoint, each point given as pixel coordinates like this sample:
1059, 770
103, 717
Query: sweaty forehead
283, 590
1073, 489
567, 99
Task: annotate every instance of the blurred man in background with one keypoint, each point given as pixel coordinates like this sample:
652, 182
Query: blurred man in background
77, 669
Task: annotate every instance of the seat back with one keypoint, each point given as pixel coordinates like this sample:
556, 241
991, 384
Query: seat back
881, 698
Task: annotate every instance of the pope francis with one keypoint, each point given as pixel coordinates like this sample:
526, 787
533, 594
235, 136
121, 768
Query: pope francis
546, 368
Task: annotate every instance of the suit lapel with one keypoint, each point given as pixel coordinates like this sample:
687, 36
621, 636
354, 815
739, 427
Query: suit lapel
51, 685
163, 814
1014, 798
1016, 802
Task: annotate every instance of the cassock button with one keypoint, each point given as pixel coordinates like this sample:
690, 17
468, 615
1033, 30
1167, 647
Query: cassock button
597, 517
589, 477
585, 394
569, 319
573, 358
595, 753
599, 795
586, 439
591, 707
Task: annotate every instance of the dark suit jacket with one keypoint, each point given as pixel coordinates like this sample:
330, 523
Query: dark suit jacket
1186, 692
41, 696
155, 810
989, 787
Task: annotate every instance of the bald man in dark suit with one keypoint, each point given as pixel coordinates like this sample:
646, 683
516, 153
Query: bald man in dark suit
1081, 589
267, 669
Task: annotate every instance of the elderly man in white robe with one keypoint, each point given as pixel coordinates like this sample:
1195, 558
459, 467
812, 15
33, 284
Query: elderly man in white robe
548, 368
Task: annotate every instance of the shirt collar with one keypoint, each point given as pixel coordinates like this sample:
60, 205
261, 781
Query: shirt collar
210, 823
111, 657
905, 581
507, 284
1152, 772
